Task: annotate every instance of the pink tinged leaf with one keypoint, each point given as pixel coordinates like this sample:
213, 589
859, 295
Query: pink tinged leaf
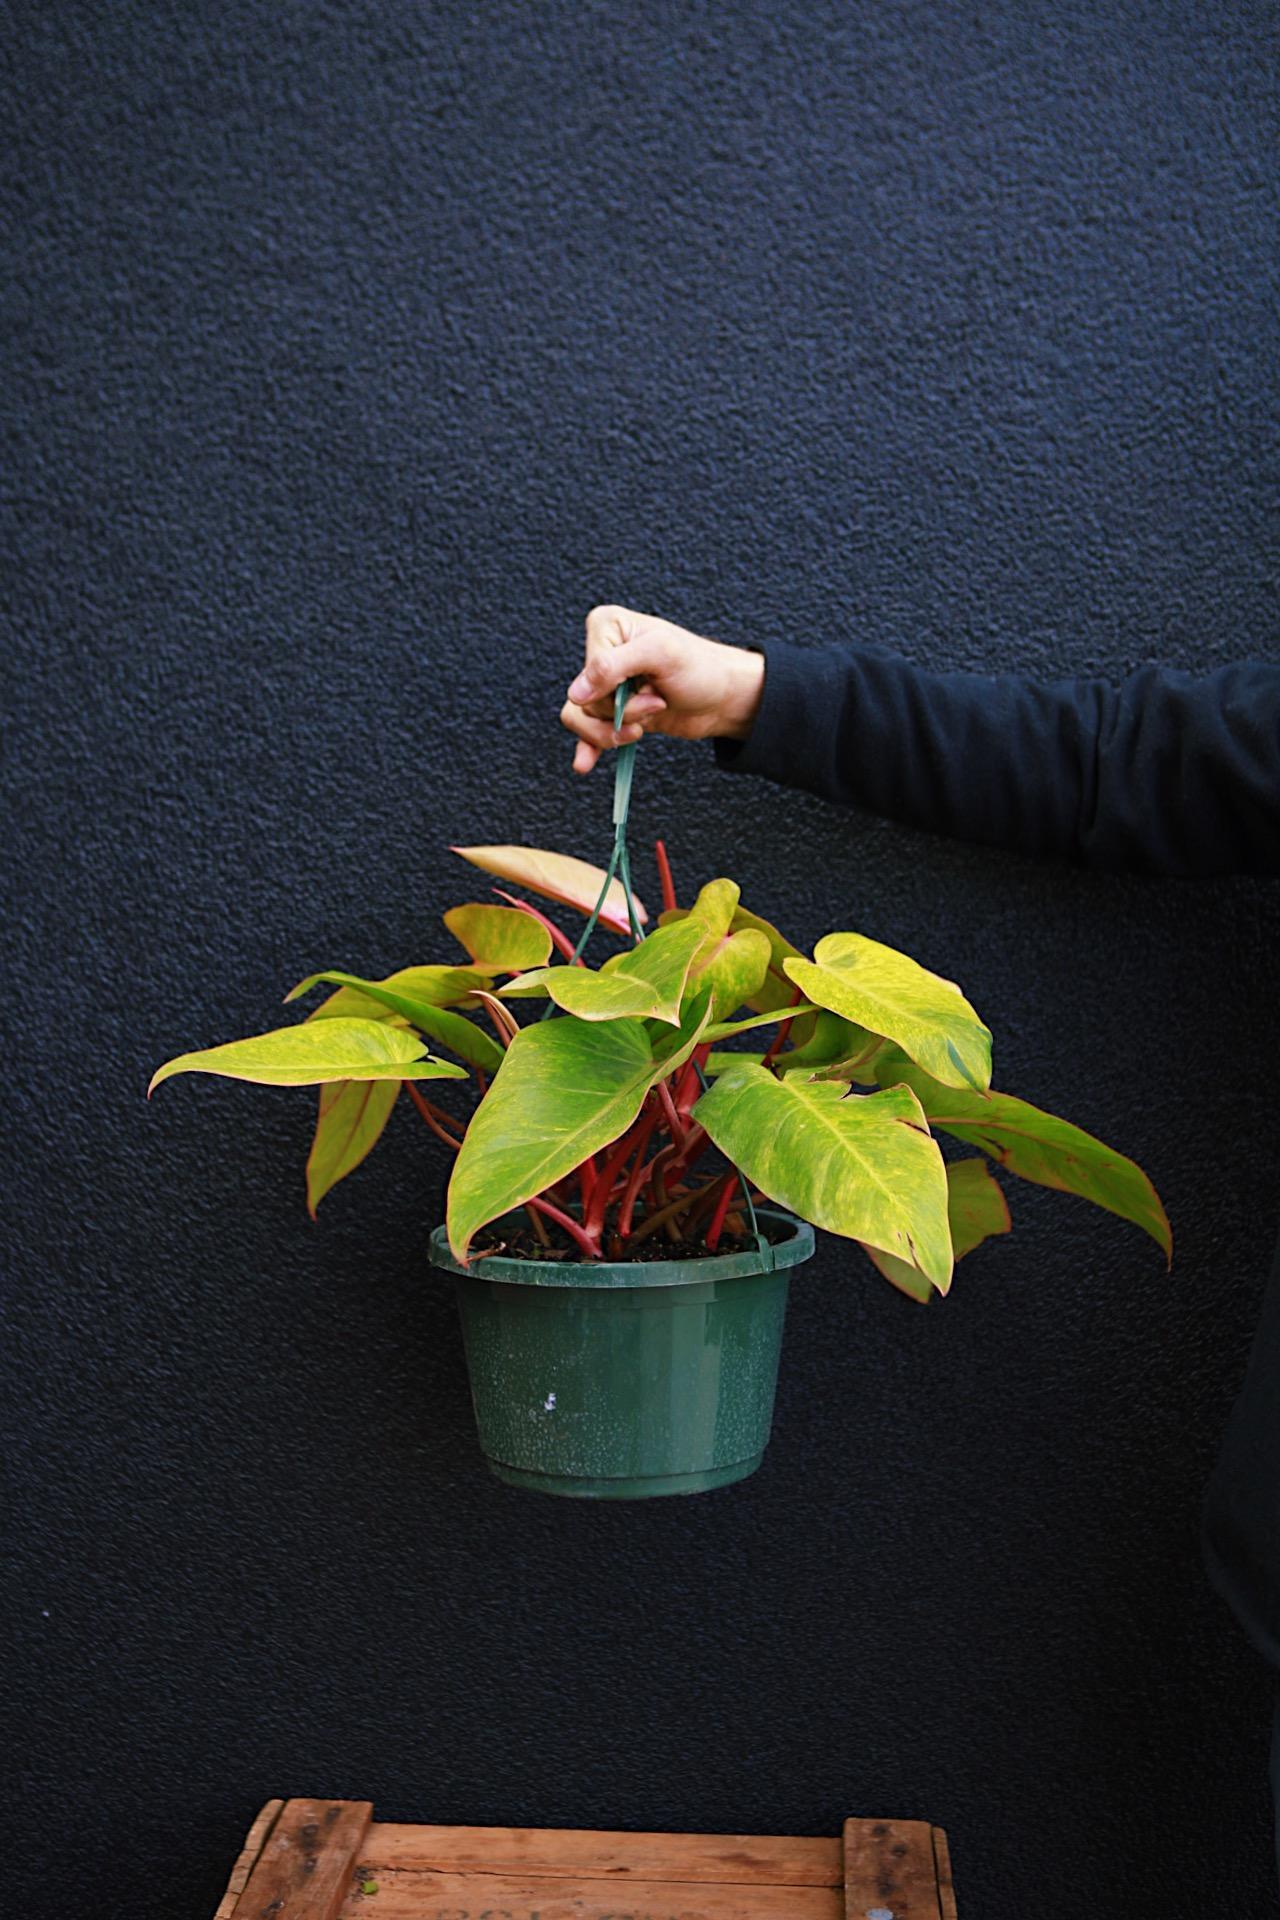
557, 876
349, 1125
976, 1206
1037, 1146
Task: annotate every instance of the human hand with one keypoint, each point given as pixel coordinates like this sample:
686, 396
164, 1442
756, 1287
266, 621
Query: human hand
690, 688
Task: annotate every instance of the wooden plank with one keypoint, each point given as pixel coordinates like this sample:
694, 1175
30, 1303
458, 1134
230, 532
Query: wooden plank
415, 1895
304, 1871
530, 1852
942, 1863
255, 1840
889, 1871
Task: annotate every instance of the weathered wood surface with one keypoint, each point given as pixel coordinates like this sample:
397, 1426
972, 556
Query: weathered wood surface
536, 1851
486, 1896
255, 1840
891, 1871
946, 1890
328, 1860
304, 1870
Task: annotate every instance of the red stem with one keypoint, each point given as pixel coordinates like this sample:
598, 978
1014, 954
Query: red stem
586, 1183
716, 1227
560, 941
627, 1205
432, 1116
776, 1044
664, 875
608, 1174
673, 1120
567, 1224
505, 1025
690, 1086
695, 1143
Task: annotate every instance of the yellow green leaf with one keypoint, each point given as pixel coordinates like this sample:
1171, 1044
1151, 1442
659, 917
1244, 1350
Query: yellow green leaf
645, 982
1037, 1146
349, 1125
315, 1052
857, 1164
888, 993
565, 1089
452, 1031
976, 1209
431, 986
774, 990
499, 938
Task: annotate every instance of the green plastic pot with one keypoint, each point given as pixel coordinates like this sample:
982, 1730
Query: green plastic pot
626, 1380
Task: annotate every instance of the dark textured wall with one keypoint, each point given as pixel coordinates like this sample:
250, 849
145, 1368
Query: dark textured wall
352, 353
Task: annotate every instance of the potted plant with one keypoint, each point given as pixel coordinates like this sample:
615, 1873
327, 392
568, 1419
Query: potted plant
651, 1146
636, 1181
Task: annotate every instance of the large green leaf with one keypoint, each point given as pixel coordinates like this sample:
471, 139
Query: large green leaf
889, 993
565, 1090
453, 1031
349, 1124
662, 964
500, 938
1037, 1146
976, 1209
858, 1164
315, 1052
431, 986
557, 876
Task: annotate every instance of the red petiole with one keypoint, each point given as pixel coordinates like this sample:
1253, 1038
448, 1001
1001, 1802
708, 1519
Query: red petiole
560, 941
664, 875
725, 1195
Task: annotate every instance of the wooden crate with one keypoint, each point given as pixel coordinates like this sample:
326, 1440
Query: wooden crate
330, 1860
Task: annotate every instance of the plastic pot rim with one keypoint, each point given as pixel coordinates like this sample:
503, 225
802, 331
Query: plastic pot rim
795, 1246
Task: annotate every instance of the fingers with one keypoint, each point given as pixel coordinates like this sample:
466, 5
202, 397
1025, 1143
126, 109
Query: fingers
595, 735
641, 706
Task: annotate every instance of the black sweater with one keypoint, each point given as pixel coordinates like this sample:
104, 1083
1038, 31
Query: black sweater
1164, 774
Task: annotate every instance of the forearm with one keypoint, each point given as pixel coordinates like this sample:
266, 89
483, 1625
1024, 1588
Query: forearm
1165, 773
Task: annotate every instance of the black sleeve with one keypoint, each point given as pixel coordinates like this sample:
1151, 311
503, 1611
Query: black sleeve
1166, 773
